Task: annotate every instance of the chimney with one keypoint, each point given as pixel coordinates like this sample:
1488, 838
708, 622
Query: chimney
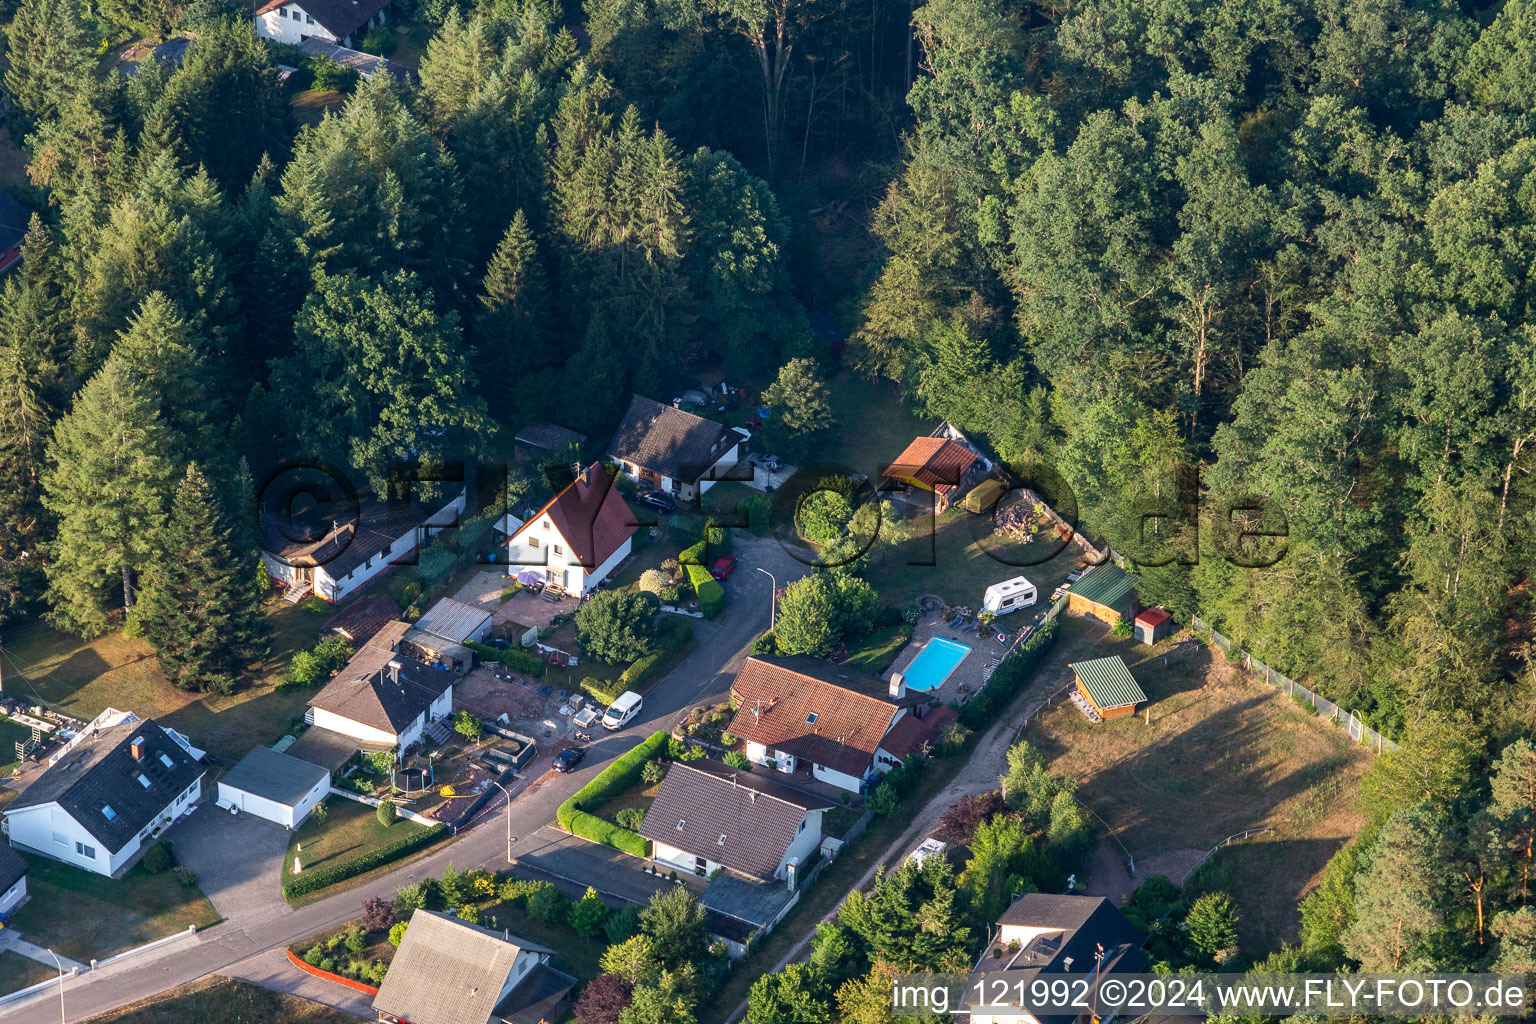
1067, 964
394, 672
898, 686
136, 748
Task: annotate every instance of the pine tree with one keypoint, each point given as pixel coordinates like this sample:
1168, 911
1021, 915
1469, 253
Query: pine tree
199, 611
49, 54
108, 486
1401, 896
513, 325
162, 350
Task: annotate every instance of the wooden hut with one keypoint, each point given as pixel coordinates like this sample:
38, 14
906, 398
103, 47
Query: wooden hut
1106, 592
1107, 684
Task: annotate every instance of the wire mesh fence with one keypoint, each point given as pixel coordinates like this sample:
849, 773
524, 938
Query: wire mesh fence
1349, 721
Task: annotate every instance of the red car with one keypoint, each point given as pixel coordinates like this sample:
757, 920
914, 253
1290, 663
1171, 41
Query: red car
723, 568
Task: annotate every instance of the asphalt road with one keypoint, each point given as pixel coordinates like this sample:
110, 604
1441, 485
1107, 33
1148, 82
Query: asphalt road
248, 932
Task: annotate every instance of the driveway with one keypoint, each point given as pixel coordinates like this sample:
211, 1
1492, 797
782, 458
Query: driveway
238, 860
579, 863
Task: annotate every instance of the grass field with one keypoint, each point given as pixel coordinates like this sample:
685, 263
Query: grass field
218, 1000
17, 972
83, 915
350, 830
874, 653
876, 424
83, 677
1222, 753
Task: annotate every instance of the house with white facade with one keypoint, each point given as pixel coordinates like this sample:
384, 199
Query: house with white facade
578, 538
449, 971
666, 449
1074, 942
804, 714
344, 22
274, 786
13, 879
382, 699
331, 546
709, 816
110, 791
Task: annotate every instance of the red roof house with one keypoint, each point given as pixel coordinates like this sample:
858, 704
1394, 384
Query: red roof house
941, 465
578, 538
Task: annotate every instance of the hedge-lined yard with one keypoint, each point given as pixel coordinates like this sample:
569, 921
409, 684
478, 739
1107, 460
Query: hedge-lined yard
575, 814
1010, 677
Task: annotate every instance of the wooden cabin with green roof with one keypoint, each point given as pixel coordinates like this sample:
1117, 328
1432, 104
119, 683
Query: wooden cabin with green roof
1106, 592
1107, 684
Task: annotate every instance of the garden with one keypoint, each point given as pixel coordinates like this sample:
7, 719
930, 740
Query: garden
640, 768
342, 845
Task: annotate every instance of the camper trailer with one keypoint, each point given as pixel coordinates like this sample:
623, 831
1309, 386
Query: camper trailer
1009, 596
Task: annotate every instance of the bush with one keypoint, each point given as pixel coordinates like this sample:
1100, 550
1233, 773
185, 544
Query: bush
711, 593
317, 878
736, 759
757, 510
157, 859
376, 972
386, 812
694, 554
319, 663
885, 802
621, 924
467, 725
631, 818
652, 773
764, 643
327, 74
316, 953
616, 627
380, 41
411, 898
652, 581
378, 914
600, 830
1009, 678
328, 963
547, 905
356, 940
514, 658
186, 877
676, 632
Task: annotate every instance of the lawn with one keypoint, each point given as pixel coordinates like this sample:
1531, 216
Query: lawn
350, 829
873, 654
219, 1000
876, 424
310, 105
11, 733
1222, 753
84, 677
83, 915
17, 972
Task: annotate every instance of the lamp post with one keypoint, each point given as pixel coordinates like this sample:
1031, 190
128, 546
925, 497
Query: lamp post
1098, 960
508, 795
773, 599
60, 963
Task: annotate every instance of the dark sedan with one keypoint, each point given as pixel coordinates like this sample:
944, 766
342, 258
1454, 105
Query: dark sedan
569, 758
656, 500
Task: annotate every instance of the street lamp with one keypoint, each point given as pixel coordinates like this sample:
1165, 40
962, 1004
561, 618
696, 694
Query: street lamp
773, 597
56, 960
508, 795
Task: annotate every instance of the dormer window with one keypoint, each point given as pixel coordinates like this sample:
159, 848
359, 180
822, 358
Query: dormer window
108, 813
143, 780
165, 759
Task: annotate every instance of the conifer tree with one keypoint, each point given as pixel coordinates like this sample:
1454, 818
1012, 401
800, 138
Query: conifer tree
513, 324
49, 53
162, 349
110, 476
199, 611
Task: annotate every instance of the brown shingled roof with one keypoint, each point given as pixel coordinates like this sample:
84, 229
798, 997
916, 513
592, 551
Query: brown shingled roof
669, 441
935, 462
909, 734
776, 696
591, 515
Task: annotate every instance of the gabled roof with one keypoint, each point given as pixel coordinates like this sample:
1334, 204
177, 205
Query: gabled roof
1109, 682
550, 436
453, 620
349, 532
668, 441
112, 795
909, 733
338, 17
1154, 616
702, 803
1077, 927
848, 713
365, 64
448, 971
1105, 584
277, 777
363, 617
368, 691
934, 462
590, 513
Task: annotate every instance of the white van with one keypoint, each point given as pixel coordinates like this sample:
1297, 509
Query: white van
623, 711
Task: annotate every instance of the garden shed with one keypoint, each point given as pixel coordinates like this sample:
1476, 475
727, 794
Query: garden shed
1107, 684
1153, 624
1106, 592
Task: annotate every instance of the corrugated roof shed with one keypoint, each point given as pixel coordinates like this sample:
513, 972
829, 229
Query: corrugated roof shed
453, 620
1106, 584
1109, 682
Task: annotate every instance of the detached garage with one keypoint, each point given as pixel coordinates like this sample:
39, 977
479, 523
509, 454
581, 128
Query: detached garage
274, 786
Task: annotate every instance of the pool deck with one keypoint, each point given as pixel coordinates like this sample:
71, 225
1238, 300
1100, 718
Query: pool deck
968, 676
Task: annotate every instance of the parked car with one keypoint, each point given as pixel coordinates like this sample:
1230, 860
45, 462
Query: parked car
723, 567
623, 711
656, 500
569, 758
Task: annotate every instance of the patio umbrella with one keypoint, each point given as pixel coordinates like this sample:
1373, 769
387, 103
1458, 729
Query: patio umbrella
528, 577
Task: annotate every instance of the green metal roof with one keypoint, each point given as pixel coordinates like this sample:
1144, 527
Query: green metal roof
1106, 584
1108, 682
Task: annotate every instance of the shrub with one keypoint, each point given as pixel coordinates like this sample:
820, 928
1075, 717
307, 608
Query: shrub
587, 915
157, 859
631, 818
547, 905
186, 877
652, 773
736, 759
516, 659
397, 933
694, 554
467, 725
468, 913
670, 637
600, 830
764, 643
885, 802
624, 772
711, 593
621, 924
728, 739
653, 581
380, 41
410, 898
356, 940
756, 509
692, 752
386, 812
616, 627
328, 963
1009, 678
378, 914
317, 878
376, 971
316, 953
1122, 627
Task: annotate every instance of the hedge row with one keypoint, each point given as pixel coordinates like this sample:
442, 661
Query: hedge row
1010, 677
615, 779
315, 879
600, 830
675, 631
711, 593
513, 658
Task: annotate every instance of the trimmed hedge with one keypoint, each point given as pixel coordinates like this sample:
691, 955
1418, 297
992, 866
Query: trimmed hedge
711, 593
676, 632
693, 554
600, 830
1010, 677
615, 779
513, 658
315, 879
601, 691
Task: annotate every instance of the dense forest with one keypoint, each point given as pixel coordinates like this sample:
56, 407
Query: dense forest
1286, 245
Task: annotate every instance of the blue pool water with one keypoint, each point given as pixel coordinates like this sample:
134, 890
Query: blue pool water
929, 670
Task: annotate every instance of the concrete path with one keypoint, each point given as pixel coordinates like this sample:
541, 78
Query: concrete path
12, 941
705, 674
271, 969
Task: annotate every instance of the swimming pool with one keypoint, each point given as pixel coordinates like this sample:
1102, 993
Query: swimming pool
931, 667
